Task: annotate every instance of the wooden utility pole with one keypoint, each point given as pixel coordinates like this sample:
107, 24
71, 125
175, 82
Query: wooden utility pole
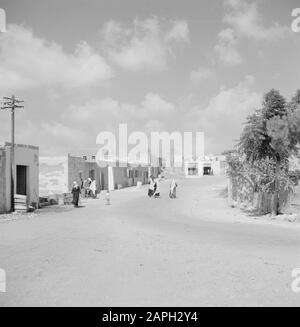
12, 104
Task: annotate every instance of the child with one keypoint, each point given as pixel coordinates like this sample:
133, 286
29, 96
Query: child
107, 198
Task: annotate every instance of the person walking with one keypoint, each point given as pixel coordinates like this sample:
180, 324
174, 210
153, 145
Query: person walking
152, 185
107, 197
173, 187
75, 192
88, 187
156, 189
93, 188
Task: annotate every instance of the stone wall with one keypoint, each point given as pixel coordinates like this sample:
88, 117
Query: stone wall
53, 175
80, 169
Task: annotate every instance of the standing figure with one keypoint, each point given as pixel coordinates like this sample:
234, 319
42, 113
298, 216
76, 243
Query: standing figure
173, 187
156, 189
107, 198
152, 185
93, 188
75, 192
88, 187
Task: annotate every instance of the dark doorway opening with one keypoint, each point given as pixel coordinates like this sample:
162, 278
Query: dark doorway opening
21, 184
207, 171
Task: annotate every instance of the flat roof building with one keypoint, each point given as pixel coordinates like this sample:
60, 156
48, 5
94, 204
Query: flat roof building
27, 174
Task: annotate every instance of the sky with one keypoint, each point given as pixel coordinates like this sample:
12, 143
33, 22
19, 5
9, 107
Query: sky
83, 67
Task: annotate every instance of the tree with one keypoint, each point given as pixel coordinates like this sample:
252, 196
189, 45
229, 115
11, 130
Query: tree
274, 104
267, 135
294, 104
294, 118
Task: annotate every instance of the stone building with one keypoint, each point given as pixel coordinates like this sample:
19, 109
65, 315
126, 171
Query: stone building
208, 165
26, 175
57, 174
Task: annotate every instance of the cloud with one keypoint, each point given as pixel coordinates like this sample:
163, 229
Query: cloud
244, 21
201, 74
179, 31
52, 137
226, 47
234, 104
222, 117
76, 128
107, 113
27, 62
146, 45
155, 105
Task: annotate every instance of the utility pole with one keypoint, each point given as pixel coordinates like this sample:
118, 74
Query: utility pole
12, 104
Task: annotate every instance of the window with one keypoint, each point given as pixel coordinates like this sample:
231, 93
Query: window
93, 157
84, 157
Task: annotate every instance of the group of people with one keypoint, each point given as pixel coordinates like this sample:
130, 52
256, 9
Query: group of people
154, 188
87, 189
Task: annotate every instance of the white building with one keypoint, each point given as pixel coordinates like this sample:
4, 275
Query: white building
208, 165
26, 177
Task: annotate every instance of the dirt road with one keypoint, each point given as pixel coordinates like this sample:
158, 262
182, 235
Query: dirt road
190, 251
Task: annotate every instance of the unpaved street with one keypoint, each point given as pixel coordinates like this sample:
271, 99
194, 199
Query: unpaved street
190, 251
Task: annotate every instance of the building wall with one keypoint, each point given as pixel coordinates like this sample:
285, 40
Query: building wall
25, 155
79, 170
29, 156
57, 174
219, 165
216, 163
120, 177
53, 175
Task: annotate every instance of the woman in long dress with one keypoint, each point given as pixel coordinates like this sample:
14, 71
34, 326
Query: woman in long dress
75, 192
93, 188
151, 188
157, 189
173, 187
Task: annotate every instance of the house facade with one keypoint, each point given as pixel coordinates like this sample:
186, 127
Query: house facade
26, 179
208, 165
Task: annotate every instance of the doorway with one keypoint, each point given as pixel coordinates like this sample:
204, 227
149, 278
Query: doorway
206, 170
21, 183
